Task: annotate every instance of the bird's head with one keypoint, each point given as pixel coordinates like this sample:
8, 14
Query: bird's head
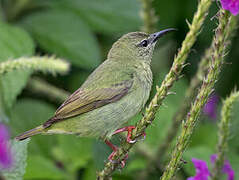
136, 46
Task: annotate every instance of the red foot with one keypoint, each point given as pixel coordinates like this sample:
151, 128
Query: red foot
129, 129
114, 148
129, 140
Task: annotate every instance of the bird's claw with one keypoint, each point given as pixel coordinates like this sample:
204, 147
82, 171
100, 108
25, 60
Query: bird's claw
110, 158
122, 162
140, 138
129, 129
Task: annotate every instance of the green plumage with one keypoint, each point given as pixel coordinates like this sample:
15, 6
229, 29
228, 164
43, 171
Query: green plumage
116, 91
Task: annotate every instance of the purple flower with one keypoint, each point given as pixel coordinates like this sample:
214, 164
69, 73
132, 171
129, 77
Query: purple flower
210, 107
231, 5
202, 172
5, 152
227, 169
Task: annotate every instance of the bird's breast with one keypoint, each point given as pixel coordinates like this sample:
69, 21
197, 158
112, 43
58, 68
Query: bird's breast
144, 78
144, 75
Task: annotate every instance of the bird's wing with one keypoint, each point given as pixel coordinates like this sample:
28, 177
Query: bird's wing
85, 100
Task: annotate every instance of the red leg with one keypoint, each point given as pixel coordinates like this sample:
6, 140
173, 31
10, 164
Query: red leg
129, 140
122, 163
114, 148
129, 129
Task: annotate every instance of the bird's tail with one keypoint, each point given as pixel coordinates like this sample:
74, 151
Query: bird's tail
30, 133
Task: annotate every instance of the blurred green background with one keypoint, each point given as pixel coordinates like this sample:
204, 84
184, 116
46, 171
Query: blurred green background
82, 32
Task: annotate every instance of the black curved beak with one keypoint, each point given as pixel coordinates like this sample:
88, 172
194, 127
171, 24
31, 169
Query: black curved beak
157, 35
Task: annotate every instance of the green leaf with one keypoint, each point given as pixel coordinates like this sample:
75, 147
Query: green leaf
89, 172
27, 114
110, 16
136, 164
76, 79
66, 35
3, 115
11, 85
73, 151
105, 16
100, 153
19, 150
14, 42
205, 135
40, 167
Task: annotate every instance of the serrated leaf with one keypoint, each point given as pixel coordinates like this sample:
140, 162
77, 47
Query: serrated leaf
14, 42
104, 16
64, 34
19, 150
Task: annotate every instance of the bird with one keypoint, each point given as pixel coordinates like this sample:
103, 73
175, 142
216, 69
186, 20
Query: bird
113, 93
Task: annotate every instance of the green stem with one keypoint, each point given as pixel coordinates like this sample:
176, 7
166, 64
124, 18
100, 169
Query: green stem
148, 15
42, 87
223, 133
191, 94
162, 91
44, 64
202, 97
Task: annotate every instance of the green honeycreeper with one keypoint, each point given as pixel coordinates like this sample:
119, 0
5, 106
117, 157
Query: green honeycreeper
116, 91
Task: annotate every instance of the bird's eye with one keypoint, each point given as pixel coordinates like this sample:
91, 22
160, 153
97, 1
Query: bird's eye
144, 43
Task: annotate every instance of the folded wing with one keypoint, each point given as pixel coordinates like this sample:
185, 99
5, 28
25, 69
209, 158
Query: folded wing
85, 100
